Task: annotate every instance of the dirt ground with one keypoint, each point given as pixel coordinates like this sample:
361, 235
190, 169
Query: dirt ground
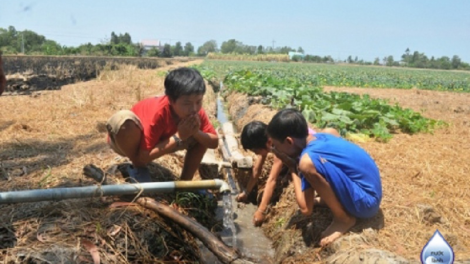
424, 178
47, 137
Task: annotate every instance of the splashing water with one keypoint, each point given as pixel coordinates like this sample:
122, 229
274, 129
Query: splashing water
229, 225
228, 218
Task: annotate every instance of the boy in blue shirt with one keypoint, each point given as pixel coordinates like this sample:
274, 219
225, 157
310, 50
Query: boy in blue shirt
343, 175
254, 137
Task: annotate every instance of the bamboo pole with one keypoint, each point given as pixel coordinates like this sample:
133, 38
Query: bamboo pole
224, 253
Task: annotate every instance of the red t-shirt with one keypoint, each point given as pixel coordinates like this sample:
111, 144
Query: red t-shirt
157, 121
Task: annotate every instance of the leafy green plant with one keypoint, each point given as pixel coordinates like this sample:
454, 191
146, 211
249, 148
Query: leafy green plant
349, 113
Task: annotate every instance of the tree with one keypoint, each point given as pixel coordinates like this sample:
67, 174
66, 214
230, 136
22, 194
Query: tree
166, 51
230, 46
268, 50
312, 58
178, 49
12, 32
188, 49
300, 50
51, 47
31, 40
119, 49
260, 49
377, 61
328, 59
85, 49
249, 49
406, 57
70, 50
384, 60
153, 52
114, 38
390, 61
418, 60
433, 63
349, 60
456, 62
296, 58
4, 39
444, 63
208, 46
285, 50
126, 39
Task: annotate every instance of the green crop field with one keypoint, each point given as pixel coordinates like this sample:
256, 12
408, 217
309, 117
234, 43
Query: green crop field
300, 86
355, 76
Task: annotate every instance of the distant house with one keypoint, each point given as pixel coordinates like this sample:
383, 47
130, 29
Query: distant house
151, 43
298, 54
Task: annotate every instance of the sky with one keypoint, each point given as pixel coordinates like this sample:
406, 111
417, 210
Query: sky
340, 28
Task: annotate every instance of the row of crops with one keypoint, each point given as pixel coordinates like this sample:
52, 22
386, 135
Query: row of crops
299, 86
354, 76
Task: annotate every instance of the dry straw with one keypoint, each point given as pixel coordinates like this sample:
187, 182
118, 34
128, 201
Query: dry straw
45, 141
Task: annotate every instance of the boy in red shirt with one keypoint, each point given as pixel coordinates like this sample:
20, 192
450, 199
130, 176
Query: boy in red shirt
161, 125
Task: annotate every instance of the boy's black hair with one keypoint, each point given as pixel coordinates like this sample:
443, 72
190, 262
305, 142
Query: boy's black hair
254, 135
184, 81
287, 123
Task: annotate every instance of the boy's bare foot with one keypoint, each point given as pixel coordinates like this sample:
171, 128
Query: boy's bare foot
336, 229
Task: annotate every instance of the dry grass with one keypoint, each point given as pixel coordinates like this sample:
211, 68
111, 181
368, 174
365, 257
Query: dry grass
424, 180
45, 140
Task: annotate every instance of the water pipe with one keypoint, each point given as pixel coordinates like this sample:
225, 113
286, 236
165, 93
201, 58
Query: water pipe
57, 194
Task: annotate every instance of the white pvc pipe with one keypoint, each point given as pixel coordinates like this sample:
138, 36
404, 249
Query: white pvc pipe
57, 194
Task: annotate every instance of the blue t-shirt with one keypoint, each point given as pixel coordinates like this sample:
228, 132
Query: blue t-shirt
350, 171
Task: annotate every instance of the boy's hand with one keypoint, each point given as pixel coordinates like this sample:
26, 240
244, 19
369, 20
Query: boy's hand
188, 126
258, 218
186, 144
242, 197
289, 162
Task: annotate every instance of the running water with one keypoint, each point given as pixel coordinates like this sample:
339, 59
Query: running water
229, 225
238, 229
228, 219
231, 182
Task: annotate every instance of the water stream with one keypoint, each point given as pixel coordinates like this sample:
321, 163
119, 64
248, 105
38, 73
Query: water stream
229, 225
239, 231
